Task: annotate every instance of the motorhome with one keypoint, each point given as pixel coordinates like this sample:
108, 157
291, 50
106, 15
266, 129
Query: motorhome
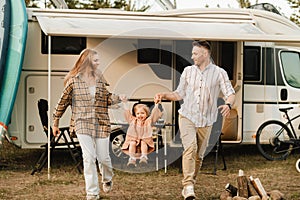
145, 53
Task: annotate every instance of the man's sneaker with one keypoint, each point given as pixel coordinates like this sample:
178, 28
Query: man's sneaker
143, 161
107, 187
131, 163
188, 192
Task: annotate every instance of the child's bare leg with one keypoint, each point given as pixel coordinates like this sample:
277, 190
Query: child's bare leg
144, 149
132, 151
132, 148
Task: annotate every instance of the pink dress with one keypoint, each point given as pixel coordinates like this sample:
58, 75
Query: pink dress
140, 131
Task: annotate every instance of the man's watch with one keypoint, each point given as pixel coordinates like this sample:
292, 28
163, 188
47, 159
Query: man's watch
229, 105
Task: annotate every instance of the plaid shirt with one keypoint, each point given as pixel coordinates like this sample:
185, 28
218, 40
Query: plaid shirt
88, 117
200, 91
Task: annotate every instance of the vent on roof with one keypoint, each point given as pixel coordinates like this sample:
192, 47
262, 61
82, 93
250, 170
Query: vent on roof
266, 7
60, 4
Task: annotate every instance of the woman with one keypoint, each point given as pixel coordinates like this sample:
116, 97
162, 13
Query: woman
85, 91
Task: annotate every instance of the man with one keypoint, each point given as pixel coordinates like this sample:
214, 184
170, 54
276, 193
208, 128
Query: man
199, 88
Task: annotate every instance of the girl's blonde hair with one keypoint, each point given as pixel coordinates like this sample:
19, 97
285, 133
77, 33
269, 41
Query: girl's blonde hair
140, 105
84, 61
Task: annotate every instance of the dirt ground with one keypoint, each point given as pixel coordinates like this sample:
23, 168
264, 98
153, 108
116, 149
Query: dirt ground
66, 183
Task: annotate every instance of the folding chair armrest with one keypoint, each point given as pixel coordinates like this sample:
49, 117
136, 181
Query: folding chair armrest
64, 129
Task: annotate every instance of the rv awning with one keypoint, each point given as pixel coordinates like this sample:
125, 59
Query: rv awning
158, 28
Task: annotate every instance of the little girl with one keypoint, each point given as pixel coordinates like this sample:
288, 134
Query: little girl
139, 141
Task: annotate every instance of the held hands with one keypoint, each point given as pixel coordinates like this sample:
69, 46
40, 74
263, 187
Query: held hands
225, 110
123, 98
56, 131
158, 97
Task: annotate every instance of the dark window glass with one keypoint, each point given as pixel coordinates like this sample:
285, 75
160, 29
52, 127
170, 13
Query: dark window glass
252, 65
268, 63
148, 51
183, 51
164, 69
227, 59
63, 44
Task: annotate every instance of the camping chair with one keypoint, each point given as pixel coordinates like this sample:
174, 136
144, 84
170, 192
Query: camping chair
215, 143
64, 136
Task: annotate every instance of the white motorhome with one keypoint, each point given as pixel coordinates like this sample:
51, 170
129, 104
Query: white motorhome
144, 53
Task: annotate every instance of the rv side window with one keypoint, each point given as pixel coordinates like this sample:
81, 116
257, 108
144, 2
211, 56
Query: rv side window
252, 66
291, 67
63, 44
148, 51
163, 69
227, 52
157, 56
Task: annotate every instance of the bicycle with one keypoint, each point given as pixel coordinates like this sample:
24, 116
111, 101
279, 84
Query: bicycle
282, 138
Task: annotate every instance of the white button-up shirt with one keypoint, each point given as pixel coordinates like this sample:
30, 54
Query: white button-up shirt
200, 91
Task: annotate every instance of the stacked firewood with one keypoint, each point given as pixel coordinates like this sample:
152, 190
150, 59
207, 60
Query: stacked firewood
249, 188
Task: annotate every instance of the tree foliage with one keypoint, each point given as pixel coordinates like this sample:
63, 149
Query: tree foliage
90, 4
244, 3
295, 5
130, 6
32, 3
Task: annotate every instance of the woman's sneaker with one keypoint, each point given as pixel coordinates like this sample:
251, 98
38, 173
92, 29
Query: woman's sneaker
107, 187
188, 192
92, 197
131, 163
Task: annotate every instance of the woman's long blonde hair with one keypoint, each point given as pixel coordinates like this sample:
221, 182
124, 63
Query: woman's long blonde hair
84, 61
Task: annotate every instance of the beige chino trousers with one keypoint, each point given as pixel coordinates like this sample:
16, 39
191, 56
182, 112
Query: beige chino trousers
194, 141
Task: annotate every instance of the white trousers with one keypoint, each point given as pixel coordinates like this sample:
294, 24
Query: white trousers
92, 149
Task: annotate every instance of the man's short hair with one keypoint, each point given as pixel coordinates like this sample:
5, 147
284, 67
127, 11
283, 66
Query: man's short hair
202, 43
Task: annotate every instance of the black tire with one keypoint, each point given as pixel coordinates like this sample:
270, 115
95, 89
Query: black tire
117, 139
272, 140
298, 165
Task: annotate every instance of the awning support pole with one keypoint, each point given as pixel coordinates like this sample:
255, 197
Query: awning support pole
49, 102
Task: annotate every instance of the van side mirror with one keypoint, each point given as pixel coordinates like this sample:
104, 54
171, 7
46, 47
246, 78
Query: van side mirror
283, 94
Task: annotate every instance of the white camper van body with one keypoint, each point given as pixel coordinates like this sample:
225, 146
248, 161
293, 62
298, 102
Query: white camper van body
144, 53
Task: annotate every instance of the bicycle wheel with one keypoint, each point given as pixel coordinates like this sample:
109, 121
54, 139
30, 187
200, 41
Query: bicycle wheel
273, 140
